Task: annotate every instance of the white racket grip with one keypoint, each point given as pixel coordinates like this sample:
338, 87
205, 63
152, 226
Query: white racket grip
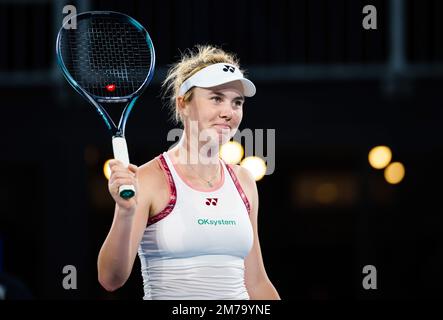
120, 150
121, 153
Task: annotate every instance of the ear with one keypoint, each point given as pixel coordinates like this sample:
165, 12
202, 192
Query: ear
181, 105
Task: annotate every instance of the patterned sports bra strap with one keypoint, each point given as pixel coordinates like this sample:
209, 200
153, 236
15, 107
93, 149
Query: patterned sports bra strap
172, 193
238, 186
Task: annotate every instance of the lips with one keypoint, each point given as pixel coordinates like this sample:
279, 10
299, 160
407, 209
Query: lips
222, 126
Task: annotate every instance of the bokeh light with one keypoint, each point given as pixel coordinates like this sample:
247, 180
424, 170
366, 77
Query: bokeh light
255, 165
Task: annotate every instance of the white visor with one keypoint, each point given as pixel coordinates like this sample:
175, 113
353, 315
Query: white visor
217, 74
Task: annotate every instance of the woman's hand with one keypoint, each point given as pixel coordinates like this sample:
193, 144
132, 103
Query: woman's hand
120, 175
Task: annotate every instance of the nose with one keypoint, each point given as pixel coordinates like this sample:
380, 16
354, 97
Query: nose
226, 112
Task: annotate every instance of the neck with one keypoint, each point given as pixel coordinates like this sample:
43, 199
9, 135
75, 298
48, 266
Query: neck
196, 153
197, 161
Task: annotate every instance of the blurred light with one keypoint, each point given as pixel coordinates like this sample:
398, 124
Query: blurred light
106, 169
395, 173
379, 157
326, 193
255, 165
91, 155
317, 189
231, 152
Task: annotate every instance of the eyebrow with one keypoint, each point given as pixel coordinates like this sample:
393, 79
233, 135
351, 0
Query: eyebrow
223, 95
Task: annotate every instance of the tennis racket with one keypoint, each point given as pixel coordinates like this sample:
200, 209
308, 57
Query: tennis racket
109, 59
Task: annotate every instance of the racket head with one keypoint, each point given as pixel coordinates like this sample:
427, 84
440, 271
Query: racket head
108, 57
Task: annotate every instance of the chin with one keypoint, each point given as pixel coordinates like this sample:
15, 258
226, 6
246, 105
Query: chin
223, 138
214, 136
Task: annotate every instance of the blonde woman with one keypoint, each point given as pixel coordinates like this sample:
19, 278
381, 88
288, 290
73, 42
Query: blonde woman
193, 221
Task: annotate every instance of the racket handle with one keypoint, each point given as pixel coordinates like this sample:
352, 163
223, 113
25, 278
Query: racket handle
121, 153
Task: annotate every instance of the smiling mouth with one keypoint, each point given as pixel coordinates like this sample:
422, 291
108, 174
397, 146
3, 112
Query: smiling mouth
223, 126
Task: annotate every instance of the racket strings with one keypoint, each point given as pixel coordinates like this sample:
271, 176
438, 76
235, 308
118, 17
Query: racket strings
107, 57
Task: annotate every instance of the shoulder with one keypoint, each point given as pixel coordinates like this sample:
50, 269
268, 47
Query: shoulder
152, 166
243, 175
153, 187
151, 175
247, 182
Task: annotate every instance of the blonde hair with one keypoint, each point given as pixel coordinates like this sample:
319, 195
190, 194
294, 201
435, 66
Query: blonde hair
190, 63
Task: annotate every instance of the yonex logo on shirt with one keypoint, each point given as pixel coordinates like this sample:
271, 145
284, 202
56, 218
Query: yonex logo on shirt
211, 201
216, 222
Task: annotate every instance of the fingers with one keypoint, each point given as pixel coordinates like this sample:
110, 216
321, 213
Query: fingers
114, 163
118, 166
118, 163
133, 168
120, 174
123, 171
122, 181
116, 183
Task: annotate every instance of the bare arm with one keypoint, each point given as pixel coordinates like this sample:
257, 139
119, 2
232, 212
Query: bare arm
256, 279
118, 252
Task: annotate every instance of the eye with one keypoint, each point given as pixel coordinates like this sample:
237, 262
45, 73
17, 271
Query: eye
238, 103
217, 99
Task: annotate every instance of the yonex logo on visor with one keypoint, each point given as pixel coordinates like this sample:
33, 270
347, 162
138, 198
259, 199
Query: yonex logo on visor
217, 74
228, 68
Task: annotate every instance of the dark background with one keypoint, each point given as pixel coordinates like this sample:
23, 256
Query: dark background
330, 89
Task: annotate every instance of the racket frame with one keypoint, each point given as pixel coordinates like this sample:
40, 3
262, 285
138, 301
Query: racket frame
119, 145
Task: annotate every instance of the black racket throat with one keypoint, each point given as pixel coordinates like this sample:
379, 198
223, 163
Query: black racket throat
115, 114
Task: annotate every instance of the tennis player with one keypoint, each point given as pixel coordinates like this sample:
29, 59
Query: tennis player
193, 221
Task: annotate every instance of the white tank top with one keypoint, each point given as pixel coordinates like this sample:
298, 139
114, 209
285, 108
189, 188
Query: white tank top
195, 248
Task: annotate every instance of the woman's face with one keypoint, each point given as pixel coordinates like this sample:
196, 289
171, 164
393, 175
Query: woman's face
214, 113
